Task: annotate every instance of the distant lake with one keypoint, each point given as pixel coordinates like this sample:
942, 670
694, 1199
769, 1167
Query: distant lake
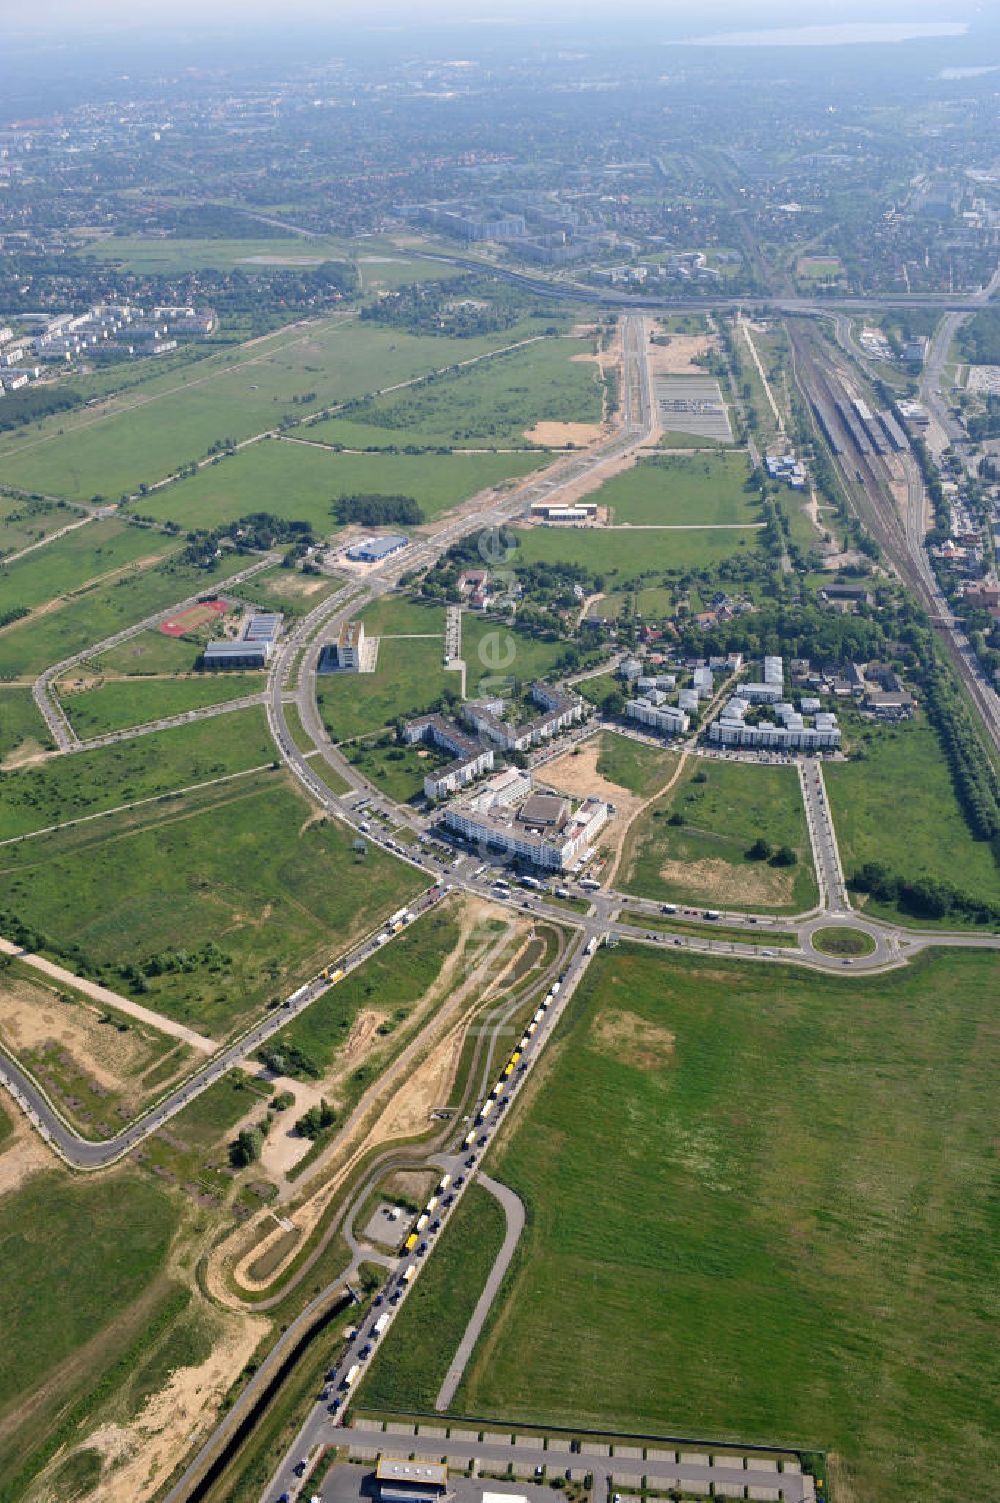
845, 34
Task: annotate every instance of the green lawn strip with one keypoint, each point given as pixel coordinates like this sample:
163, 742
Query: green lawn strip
848, 942
410, 1367
905, 763
628, 552
301, 483
141, 437
212, 914
329, 776
32, 798
297, 730
762, 936
115, 705
681, 490
633, 765
493, 403
6, 1126
106, 609
723, 807
684, 1221
70, 563
22, 729
409, 678
78, 1255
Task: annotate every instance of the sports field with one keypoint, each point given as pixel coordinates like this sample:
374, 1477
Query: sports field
691, 845
205, 913
682, 490
762, 1203
147, 433
301, 481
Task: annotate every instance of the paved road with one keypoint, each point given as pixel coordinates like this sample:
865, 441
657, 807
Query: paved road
513, 1209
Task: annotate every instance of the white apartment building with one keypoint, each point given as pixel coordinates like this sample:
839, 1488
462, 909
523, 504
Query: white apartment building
666, 719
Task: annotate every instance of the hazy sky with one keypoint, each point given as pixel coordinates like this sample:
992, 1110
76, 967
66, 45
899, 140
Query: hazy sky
55, 15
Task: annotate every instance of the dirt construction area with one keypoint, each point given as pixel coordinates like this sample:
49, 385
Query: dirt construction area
712, 880
678, 357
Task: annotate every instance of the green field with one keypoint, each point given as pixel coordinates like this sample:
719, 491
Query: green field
633, 765
139, 253
399, 616
702, 859
146, 434
903, 772
290, 590
106, 608
408, 679
398, 771
23, 523
300, 481
761, 1207
682, 490
114, 705
494, 402
83, 1268
69, 563
411, 1366
627, 552
33, 798
152, 652
492, 649
208, 913
22, 729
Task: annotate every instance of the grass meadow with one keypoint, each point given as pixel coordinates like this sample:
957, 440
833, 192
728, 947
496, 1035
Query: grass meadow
146, 434
22, 729
626, 552
117, 704
896, 805
70, 563
495, 402
761, 1207
408, 679
680, 490
106, 607
300, 482
65, 788
723, 807
633, 765
221, 908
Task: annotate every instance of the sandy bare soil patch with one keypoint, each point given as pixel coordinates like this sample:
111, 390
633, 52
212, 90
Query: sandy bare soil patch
557, 435
414, 1184
634, 1040
679, 356
576, 772
140, 1455
715, 879
25, 755
22, 1152
32, 1016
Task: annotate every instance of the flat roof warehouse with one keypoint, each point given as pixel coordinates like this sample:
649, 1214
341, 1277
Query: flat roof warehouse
373, 550
401, 1481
